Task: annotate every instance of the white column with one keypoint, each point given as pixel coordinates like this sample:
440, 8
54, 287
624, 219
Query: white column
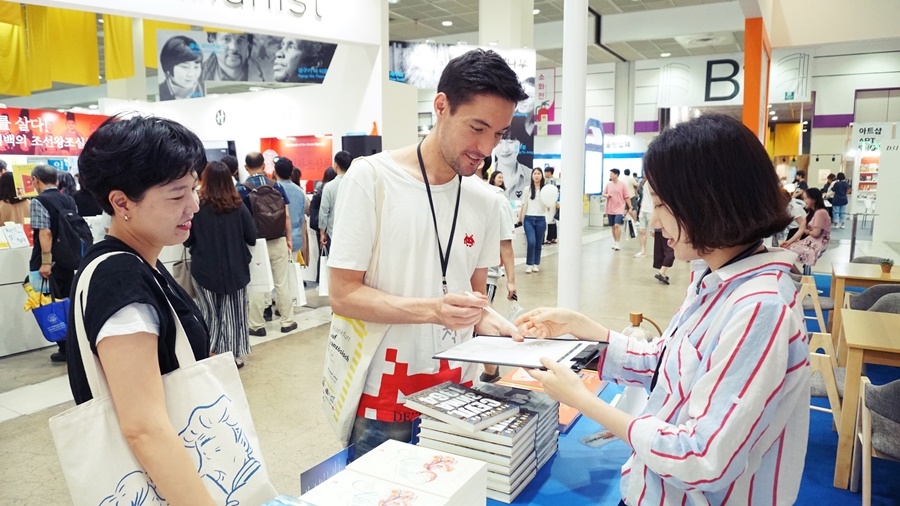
571, 201
624, 98
507, 23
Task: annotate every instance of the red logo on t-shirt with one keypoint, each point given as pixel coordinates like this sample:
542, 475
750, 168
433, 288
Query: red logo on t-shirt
469, 241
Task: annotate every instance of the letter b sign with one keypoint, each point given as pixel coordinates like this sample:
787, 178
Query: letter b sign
722, 73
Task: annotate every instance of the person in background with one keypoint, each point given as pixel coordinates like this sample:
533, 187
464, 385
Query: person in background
428, 309
12, 208
839, 202
631, 185
797, 209
496, 179
663, 256
279, 249
329, 197
3, 163
316, 200
230, 58
533, 216
643, 221
554, 209
828, 195
45, 209
617, 204
142, 170
66, 183
727, 420
800, 184
221, 232
87, 204
816, 233
179, 60
295, 178
284, 169
232, 164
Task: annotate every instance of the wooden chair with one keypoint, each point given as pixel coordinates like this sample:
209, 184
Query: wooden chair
827, 378
808, 295
877, 432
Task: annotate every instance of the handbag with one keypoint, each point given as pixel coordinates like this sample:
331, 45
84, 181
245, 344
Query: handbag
181, 272
295, 282
52, 318
260, 268
343, 379
323, 273
207, 407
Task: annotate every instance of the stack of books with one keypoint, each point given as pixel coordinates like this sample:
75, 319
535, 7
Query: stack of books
400, 473
568, 415
547, 435
453, 421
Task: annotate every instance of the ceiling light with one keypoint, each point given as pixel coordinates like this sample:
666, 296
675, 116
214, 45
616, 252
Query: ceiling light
101, 77
536, 12
665, 55
806, 122
447, 23
770, 106
255, 88
771, 112
774, 118
100, 20
93, 106
492, 43
393, 1
805, 130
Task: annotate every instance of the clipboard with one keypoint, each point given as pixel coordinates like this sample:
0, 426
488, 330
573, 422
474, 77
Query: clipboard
502, 350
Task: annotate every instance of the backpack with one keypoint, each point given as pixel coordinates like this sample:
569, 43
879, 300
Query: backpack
267, 205
314, 205
71, 236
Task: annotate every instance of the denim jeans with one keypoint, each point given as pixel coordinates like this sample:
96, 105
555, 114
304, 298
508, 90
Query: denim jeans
839, 213
368, 434
534, 235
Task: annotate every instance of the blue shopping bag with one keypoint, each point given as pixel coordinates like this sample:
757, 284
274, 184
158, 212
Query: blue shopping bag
52, 319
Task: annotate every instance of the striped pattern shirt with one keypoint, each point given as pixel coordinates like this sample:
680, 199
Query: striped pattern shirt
728, 419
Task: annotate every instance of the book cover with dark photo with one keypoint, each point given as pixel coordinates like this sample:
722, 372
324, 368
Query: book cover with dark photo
461, 406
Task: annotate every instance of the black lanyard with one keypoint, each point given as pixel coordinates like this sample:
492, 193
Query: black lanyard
445, 259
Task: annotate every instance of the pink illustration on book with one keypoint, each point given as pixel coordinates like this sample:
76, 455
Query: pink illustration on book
418, 471
399, 498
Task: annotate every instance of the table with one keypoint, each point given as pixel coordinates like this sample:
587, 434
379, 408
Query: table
862, 275
871, 338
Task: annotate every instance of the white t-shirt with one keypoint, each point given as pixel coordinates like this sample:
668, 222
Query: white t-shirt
408, 265
131, 319
630, 185
797, 209
507, 216
646, 200
533, 206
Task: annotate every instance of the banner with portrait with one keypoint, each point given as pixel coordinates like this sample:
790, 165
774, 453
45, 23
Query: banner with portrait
312, 154
40, 132
188, 60
420, 64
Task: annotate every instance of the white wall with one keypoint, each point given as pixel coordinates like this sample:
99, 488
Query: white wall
400, 116
828, 140
839, 70
809, 22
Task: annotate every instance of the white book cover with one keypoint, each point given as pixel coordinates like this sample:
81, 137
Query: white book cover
512, 477
349, 488
435, 472
508, 498
508, 432
496, 463
468, 442
525, 475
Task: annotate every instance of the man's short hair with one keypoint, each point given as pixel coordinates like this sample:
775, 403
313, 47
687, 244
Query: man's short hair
254, 160
343, 159
479, 72
615, 171
627, 172
2, 166
713, 172
551, 170
801, 173
232, 164
45, 174
212, 36
284, 167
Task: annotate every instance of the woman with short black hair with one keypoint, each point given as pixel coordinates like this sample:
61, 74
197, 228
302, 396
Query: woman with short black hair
180, 61
12, 208
728, 412
143, 173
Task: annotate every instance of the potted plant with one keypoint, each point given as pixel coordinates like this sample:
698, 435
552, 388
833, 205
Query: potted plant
886, 264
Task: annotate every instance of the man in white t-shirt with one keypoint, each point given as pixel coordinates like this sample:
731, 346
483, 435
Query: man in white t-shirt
643, 222
425, 266
631, 185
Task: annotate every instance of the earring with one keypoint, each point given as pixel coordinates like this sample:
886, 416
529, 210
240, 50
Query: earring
126, 218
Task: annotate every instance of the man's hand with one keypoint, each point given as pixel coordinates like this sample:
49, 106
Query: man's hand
290, 244
562, 384
45, 271
460, 310
323, 239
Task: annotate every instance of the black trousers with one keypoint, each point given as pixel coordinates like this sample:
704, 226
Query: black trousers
662, 253
551, 231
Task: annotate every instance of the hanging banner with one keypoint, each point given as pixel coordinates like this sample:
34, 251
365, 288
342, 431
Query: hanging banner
702, 81
190, 59
868, 137
790, 76
545, 94
420, 64
40, 132
312, 154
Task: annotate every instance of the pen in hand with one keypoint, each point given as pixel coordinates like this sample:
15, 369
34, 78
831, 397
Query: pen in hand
494, 313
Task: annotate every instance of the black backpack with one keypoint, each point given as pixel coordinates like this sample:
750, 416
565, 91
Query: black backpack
269, 214
71, 236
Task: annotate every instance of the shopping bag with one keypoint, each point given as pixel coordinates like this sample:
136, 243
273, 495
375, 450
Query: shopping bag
52, 318
295, 281
260, 268
207, 407
629, 224
323, 274
181, 271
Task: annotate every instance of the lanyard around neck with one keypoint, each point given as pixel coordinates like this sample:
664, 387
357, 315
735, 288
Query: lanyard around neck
747, 253
445, 259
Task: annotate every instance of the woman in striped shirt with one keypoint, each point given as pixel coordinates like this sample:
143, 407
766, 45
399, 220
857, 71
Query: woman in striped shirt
728, 414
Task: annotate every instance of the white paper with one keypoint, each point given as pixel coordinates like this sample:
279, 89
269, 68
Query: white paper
15, 235
505, 351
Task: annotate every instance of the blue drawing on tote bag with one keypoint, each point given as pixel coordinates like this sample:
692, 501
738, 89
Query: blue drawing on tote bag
219, 447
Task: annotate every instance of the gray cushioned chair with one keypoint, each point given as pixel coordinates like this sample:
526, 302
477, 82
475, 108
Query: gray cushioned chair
878, 432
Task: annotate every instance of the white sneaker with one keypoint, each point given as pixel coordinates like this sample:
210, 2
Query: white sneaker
842, 225
535, 269
639, 255
616, 247
528, 269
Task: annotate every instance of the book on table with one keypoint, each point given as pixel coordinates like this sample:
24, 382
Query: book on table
546, 408
508, 497
502, 350
506, 432
519, 378
350, 488
464, 407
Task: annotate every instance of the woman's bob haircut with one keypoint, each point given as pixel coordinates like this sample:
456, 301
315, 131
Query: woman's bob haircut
716, 178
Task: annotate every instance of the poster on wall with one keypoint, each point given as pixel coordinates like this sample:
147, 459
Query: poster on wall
40, 132
868, 137
312, 154
791, 73
420, 64
22, 176
702, 81
190, 59
545, 94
